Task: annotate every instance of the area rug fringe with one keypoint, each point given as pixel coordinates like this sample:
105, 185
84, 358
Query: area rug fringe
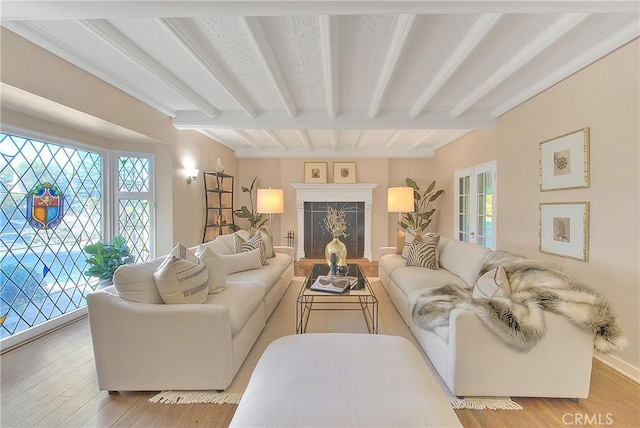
195, 397
484, 403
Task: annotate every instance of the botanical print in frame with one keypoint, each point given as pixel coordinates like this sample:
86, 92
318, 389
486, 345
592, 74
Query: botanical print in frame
344, 172
564, 229
564, 161
315, 172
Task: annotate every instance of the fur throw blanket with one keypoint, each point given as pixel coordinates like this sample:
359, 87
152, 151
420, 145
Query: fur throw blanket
518, 320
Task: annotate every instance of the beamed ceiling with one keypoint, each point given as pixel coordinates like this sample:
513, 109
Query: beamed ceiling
329, 78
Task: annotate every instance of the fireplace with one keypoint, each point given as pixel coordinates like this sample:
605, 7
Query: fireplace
361, 194
316, 236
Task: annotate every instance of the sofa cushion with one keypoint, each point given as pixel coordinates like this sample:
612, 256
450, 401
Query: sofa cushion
242, 299
423, 252
265, 277
135, 282
463, 259
413, 278
242, 245
391, 262
493, 283
242, 261
280, 259
181, 281
228, 239
216, 267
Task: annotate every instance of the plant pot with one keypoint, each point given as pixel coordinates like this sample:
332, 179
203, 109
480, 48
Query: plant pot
337, 247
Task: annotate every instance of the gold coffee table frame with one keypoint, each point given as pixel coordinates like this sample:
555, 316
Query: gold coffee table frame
360, 298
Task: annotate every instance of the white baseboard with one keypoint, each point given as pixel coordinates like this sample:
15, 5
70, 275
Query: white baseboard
620, 366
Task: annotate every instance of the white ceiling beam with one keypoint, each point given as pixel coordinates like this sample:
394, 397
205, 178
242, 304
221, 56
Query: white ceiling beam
272, 135
95, 9
394, 52
421, 139
329, 43
327, 153
361, 139
113, 37
304, 135
196, 46
193, 119
391, 139
549, 36
217, 139
334, 137
450, 139
474, 36
244, 136
31, 32
265, 52
599, 50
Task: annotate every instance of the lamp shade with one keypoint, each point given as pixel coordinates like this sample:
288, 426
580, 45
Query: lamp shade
270, 201
400, 200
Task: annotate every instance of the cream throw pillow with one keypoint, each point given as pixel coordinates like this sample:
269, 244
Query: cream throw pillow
216, 267
242, 261
267, 238
493, 283
181, 281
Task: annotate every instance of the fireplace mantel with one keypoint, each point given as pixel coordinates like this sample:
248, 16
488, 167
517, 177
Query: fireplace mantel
331, 192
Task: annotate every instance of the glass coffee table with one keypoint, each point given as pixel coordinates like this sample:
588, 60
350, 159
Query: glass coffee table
359, 297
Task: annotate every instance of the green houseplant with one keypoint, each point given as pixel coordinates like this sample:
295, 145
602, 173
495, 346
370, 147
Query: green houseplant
104, 258
256, 220
420, 219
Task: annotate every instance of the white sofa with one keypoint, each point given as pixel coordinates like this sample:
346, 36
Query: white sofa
153, 346
471, 359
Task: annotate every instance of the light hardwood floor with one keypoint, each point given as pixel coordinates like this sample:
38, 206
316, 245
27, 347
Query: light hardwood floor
51, 382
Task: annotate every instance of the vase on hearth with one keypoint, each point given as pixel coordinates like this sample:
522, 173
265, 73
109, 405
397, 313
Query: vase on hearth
337, 247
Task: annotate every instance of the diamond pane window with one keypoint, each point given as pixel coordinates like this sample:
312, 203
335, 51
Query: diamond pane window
41, 270
133, 174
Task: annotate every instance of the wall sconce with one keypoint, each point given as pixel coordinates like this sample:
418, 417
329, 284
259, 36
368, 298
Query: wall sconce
270, 201
192, 174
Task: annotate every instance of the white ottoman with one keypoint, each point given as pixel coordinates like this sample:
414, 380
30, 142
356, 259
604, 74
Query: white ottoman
350, 380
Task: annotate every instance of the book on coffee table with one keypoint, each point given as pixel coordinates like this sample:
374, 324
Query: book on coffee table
331, 284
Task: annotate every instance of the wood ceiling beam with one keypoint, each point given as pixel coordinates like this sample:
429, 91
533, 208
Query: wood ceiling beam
244, 136
421, 139
391, 139
265, 52
361, 139
195, 45
116, 39
474, 36
272, 135
392, 58
334, 137
329, 44
304, 135
549, 36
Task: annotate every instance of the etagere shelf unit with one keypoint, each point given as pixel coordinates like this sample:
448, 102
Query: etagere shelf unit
218, 193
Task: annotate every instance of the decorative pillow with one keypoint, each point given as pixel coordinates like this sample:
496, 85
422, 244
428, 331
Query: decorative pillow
254, 242
493, 283
135, 282
242, 261
409, 236
423, 252
216, 267
182, 252
400, 237
267, 238
181, 281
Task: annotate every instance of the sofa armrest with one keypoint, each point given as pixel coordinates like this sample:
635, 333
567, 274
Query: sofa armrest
140, 346
283, 249
387, 250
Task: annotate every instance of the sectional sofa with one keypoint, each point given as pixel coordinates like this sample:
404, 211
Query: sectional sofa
142, 344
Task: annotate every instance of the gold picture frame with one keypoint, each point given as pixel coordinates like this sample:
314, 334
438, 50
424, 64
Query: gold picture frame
563, 229
564, 161
344, 172
315, 172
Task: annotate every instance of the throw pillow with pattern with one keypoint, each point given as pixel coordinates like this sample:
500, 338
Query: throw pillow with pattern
423, 252
254, 242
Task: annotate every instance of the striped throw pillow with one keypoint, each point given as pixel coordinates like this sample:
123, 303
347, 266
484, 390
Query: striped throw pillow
181, 281
423, 252
254, 242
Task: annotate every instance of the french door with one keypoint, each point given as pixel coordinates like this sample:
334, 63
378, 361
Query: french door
474, 204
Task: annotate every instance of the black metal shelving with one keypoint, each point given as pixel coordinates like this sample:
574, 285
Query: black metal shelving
218, 193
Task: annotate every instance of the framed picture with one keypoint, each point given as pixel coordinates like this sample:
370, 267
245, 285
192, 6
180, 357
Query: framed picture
344, 172
564, 229
564, 161
315, 172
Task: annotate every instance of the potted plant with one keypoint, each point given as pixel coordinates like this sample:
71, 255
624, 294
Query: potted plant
256, 220
106, 258
420, 220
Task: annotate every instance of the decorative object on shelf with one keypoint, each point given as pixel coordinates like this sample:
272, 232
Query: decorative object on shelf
192, 174
344, 172
45, 206
219, 166
315, 172
564, 229
221, 220
106, 258
420, 218
270, 201
564, 161
400, 200
332, 264
336, 224
256, 220
219, 217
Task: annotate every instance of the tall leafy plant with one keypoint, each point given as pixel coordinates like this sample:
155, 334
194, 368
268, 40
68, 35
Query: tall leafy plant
256, 220
420, 219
